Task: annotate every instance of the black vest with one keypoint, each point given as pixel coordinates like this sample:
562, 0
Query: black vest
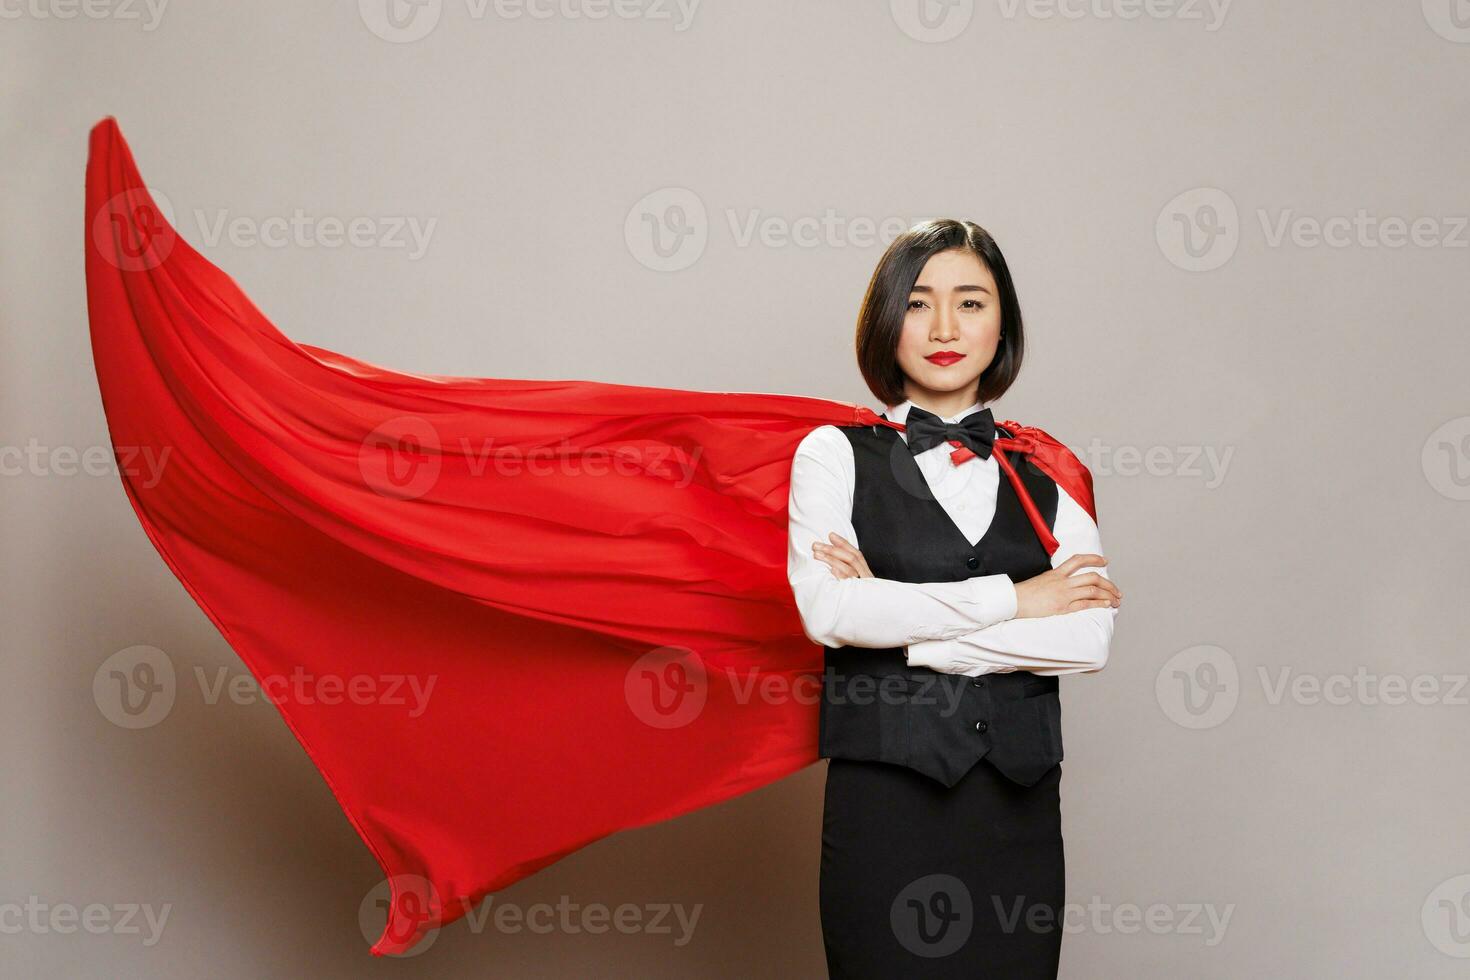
875, 706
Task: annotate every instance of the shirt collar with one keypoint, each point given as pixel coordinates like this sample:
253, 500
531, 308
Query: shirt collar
898, 413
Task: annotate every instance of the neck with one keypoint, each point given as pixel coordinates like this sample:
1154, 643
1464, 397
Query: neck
945, 404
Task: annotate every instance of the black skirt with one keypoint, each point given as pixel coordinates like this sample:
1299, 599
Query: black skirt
920, 880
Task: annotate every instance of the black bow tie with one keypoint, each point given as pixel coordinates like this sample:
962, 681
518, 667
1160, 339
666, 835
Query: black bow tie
926, 430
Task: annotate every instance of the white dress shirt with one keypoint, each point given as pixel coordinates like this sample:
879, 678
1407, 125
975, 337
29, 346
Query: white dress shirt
966, 627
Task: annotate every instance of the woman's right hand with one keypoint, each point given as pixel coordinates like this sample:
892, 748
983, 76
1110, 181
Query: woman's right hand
1060, 591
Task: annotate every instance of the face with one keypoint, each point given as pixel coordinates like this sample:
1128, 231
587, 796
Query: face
952, 327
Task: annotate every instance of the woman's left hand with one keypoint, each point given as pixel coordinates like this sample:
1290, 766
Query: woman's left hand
844, 560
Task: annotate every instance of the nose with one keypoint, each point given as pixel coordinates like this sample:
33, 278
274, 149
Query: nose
945, 327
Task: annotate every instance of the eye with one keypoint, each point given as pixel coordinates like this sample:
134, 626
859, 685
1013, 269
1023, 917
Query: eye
974, 304
915, 304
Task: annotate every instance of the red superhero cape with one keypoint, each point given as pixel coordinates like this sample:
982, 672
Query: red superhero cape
591, 576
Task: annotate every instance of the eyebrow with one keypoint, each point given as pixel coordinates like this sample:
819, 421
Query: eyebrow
958, 289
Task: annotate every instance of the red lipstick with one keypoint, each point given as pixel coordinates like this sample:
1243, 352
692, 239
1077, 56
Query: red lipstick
944, 358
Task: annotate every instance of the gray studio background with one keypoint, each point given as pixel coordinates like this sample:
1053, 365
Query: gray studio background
1238, 233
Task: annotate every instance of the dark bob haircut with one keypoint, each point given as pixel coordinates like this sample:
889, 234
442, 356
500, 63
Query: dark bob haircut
881, 320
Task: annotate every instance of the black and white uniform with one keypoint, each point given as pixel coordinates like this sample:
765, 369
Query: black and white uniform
941, 843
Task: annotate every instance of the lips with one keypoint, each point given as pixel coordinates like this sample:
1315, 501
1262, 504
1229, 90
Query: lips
944, 357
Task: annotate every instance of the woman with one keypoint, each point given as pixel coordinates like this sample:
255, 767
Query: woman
945, 625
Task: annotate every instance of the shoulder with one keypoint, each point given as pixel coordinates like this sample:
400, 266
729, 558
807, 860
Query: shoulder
823, 476
825, 442
824, 460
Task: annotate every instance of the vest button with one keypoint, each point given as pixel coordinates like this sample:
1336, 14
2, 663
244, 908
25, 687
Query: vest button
977, 682
981, 726
972, 562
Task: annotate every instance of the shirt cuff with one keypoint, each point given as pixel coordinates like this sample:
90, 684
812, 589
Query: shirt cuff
939, 655
996, 592
977, 604
995, 595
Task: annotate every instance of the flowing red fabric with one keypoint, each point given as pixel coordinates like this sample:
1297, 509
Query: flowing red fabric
591, 576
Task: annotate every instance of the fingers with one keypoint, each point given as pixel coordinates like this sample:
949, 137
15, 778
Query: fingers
841, 554
1096, 592
842, 569
1095, 582
844, 560
1080, 561
1078, 604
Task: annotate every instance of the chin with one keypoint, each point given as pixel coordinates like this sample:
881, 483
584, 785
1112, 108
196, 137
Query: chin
944, 384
